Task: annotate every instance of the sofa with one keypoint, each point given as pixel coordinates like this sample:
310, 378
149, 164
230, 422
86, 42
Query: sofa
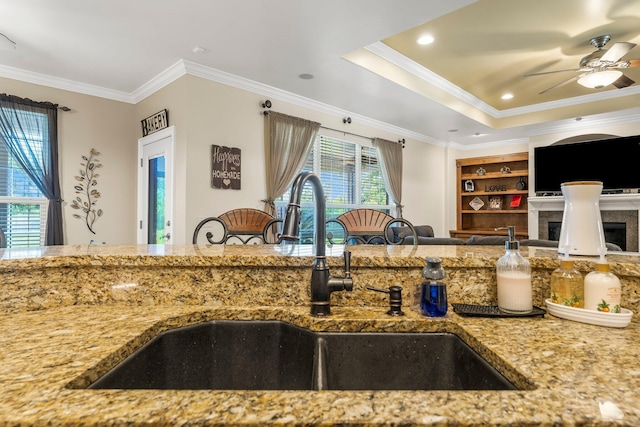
403, 235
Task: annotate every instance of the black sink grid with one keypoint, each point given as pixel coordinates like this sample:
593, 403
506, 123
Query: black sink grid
274, 355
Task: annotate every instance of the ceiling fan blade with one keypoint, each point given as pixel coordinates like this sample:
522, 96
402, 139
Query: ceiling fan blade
617, 51
553, 72
566, 82
623, 82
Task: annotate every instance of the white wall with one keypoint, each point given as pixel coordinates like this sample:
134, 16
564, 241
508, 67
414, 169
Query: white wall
108, 126
218, 114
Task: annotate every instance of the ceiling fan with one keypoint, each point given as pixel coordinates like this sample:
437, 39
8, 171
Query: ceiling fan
601, 67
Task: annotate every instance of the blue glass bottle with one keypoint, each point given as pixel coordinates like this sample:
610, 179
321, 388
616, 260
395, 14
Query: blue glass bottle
434, 293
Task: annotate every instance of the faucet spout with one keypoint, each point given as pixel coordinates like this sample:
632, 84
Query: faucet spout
322, 284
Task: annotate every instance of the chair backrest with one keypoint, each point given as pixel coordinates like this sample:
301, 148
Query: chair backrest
244, 224
246, 221
365, 221
365, 226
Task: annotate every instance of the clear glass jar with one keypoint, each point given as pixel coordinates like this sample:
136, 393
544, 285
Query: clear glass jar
567, 285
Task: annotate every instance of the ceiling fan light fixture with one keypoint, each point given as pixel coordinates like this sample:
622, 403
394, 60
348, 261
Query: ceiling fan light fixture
599, 79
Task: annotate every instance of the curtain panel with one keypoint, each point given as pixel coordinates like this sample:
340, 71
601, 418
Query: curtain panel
390, 156
288, 143
17, 117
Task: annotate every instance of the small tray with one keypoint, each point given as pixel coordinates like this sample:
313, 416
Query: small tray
592, 317
492, 311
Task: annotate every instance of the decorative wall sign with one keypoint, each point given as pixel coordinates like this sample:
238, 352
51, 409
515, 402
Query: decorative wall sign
87, 194
225, 167
158, 121
489, 188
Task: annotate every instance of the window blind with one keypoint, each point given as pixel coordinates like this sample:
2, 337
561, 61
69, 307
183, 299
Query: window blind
23, 208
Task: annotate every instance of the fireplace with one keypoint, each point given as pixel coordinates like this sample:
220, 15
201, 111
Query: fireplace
614, 232
619, 213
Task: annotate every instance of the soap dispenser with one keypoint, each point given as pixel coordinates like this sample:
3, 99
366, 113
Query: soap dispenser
433, 301
513, 271
567, 285
602, 289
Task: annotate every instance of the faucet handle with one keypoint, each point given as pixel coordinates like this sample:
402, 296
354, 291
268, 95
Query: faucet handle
347, 263
395, 299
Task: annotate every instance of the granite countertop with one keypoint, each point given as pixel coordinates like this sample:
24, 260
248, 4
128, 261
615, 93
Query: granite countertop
565, 369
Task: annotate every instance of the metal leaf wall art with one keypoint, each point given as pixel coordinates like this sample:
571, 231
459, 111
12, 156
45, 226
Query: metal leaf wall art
86, 193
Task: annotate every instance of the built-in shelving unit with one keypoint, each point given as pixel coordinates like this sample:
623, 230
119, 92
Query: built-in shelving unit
498, 188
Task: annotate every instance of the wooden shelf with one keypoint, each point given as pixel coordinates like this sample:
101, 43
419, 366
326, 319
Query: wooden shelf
495, 211
482, 222
493, 193
494, 175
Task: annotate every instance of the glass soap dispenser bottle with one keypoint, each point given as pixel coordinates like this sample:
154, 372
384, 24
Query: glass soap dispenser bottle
433, 301
513, 271
567, 284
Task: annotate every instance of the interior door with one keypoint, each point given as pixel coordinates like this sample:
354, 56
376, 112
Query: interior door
155, 187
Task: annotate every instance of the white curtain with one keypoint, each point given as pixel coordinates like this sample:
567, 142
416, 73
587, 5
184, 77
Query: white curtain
288, 143
390, 157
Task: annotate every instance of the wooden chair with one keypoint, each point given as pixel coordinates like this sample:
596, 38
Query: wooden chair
368, 226
244, 224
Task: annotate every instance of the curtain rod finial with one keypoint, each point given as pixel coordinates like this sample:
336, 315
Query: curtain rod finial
266, 104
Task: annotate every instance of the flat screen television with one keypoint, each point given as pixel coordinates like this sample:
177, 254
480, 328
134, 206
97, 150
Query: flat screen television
614, 161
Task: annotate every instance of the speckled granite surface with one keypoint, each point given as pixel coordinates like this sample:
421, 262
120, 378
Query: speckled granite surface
71, 313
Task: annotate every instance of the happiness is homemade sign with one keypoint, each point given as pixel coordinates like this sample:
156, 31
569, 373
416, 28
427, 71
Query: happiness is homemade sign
225, 167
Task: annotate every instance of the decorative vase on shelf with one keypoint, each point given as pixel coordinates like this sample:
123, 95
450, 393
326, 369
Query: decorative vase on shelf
581, 232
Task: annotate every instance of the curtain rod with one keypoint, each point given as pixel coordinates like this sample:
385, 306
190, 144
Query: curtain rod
344, 132
347, 133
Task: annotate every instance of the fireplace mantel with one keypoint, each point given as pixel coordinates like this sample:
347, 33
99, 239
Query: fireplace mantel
608, 202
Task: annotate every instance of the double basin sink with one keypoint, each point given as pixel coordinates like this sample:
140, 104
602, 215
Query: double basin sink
274, 355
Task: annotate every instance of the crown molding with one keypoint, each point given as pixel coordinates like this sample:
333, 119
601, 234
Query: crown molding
169, 75
218, 76
586, 124
396, 58
64, 84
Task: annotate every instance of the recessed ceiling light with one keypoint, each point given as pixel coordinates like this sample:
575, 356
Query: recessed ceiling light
426, 39
452, 130
507, 96
198, 49
306, 76
478, 134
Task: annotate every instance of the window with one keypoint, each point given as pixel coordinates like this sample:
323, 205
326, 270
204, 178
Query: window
351, 178
23, 208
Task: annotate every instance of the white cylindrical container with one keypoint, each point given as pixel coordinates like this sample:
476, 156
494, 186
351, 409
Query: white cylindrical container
514, 292
602, 290
581, 232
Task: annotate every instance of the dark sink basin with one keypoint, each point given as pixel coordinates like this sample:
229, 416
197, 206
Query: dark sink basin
272, 355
